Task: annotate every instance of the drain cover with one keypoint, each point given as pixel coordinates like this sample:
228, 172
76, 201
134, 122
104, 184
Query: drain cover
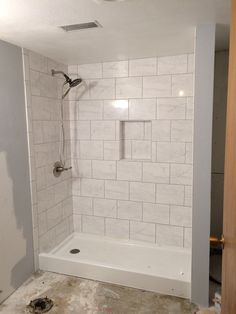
74, 251
41, 305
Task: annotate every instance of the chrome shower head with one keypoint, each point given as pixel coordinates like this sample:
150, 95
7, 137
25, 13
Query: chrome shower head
75, 82
69, 81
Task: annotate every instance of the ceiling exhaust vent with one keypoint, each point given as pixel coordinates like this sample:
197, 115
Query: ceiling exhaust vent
77, 27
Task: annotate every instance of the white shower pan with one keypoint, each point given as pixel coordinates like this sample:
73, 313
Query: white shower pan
133, 264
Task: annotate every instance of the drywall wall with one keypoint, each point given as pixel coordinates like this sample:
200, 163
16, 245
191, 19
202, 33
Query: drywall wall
204, 83
16, 241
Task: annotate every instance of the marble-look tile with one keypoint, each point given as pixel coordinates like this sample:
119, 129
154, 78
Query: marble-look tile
133, 130
104, 169
171, 152
92, 187
77, 223
45, 199
188, 196
42, 223
172, 64
40, 108
161, 130
82, 205
93, 225
157, 86
182, 85
62, 230
90, 109
116, 109
112, 150
156, 172
35, 83
78, 130
181, 216
47, 241
142, 109
130, 87
191, 62
143, 67
126, 150
129, 210
91, 149
189, 153
142, 192
141, 150
90, 71
105, 208
118, 190
61, 191
103, 130
188, 238
169, 235
102, 89
190, 108
142, 231
48, 86
130, 171
81, 168
181, 174
76, 186
117, 228
37, 62
170, 194
40, 183
54, 216
171, 108
157, 213
182, 130
115, 69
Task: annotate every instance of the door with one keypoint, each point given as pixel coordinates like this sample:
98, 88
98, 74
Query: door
16, 244
229, 228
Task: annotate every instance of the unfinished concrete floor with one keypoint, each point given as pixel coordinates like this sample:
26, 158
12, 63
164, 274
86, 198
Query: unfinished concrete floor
81, 296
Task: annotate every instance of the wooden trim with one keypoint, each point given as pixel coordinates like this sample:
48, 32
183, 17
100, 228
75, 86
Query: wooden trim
229, 255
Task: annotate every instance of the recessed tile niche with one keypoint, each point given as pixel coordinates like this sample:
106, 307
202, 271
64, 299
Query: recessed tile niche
136, 140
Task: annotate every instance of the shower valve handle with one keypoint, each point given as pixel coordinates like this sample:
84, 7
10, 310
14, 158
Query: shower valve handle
59, 168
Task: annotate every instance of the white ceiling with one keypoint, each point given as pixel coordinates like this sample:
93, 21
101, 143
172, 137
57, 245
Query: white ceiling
131, 28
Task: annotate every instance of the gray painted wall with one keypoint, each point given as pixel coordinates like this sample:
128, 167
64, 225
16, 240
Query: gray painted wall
204, 82
16, 238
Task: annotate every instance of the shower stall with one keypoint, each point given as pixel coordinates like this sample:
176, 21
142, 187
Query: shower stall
122, 212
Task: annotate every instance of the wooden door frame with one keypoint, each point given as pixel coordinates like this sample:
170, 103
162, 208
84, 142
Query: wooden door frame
229, 229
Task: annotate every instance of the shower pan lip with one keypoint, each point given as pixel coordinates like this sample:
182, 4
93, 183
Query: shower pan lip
165, 270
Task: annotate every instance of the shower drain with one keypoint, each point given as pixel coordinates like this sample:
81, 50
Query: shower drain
39, 306
74, 251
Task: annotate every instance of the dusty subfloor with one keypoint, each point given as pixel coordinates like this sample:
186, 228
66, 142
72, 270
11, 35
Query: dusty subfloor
81, 296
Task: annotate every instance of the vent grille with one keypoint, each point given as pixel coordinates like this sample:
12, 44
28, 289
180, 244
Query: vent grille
77, 27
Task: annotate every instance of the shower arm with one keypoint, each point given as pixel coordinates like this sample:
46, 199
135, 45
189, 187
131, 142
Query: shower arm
68, 80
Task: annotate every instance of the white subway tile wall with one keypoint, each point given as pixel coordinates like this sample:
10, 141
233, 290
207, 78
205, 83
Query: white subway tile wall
129, 134
51, 197
132, 175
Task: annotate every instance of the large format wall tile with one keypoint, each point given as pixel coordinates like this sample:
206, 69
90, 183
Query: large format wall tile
129, 132
133, 165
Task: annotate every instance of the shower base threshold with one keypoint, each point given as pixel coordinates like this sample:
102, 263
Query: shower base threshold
132, 264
